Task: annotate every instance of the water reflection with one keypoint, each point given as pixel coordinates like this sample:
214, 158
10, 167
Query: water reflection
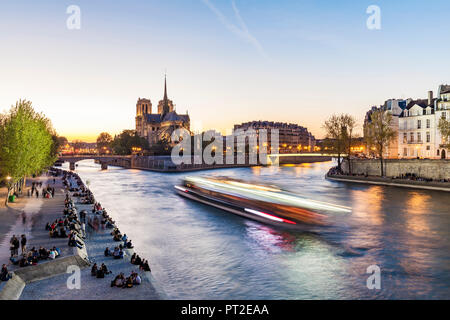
198, 252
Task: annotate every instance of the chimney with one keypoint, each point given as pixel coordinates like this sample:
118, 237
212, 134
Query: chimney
430, 97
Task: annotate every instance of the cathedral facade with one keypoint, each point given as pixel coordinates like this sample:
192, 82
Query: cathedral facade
158, 126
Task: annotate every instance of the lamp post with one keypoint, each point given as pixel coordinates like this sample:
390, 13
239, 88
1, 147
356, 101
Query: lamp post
8, 179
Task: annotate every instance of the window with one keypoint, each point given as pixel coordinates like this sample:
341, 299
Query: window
428, 123
444, 115
419, 137
428, 148
411, 137
405, 137
428, 137
405, 152
419, 124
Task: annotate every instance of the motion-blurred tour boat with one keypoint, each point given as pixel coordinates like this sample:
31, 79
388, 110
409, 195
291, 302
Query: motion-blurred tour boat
267, 204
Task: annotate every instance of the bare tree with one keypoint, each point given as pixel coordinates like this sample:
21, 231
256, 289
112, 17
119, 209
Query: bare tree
348, 125
333, 128
444, 130
379, 133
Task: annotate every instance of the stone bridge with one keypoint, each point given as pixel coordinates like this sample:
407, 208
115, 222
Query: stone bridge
122, 161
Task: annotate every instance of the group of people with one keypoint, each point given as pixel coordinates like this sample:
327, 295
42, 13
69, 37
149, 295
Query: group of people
15, 244
99, 272
101, 218
121, 281
116, 254
32, 257
142, 263
47, 192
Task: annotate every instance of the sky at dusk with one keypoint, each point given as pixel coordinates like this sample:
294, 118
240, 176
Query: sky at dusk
227, 61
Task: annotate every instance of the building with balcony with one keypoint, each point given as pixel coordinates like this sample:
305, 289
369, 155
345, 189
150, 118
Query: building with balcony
418, 134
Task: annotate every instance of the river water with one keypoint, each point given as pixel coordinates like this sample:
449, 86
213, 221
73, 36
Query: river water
198, 252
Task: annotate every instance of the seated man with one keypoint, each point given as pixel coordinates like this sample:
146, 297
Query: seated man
100, 273
4, 274
105, 269
107, 252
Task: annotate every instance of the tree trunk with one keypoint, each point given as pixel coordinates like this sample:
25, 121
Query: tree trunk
382, 169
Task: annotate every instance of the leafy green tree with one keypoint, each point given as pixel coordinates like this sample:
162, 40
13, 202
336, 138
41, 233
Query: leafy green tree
379, 133
124, 143
26, 142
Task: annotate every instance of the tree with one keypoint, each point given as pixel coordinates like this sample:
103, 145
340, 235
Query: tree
444, 130
379, 133
26, 143
334, 132
104, 141
348, 125
124, 142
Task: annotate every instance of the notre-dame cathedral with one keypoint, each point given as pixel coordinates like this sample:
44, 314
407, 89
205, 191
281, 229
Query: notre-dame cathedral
157, 126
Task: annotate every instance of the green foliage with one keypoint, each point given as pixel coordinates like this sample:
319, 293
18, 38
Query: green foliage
104, 141
444, 130
27, 142
124, 142
161, 148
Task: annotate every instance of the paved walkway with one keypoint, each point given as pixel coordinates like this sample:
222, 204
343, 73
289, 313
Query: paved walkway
56, 288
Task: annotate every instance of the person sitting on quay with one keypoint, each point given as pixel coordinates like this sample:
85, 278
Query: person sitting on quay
137, 260
136, 278
144, 266
105, 269
118, 253
108, 252
4, 274
23, 262
129, 245
43, 253
73, 242
94, 270
118, 281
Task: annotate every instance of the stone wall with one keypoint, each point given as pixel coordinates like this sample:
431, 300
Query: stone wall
425, 168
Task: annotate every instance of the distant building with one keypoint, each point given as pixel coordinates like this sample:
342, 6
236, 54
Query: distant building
292, 137
416, 122
419, 136
157, 126
394, 107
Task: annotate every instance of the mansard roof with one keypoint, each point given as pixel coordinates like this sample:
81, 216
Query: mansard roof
445, 88
420, 102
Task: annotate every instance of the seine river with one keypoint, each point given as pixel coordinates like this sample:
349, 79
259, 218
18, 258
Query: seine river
197, 252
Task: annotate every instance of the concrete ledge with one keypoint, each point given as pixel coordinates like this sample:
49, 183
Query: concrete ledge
12, 290
50, 269
391, 182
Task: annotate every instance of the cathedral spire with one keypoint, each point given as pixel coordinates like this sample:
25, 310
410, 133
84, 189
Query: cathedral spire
165, 87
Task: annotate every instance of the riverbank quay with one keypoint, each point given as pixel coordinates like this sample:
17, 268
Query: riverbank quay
428, 169
30, 215
392, 182
90, 287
